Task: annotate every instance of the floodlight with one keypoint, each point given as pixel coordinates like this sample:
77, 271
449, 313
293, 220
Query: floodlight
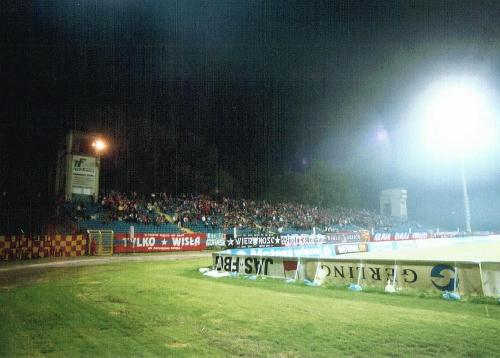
382, 135
458, 121
99, 144
457, 118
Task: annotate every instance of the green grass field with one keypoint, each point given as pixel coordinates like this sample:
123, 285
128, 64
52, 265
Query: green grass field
169, 309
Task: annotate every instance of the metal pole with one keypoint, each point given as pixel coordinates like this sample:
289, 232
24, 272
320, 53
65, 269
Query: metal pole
466, 199
100, 180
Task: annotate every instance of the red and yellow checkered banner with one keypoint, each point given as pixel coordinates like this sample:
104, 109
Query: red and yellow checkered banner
20, 247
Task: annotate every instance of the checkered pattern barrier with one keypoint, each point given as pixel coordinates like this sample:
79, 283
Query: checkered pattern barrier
20, 247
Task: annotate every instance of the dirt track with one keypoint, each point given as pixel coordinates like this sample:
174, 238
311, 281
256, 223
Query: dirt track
89, 261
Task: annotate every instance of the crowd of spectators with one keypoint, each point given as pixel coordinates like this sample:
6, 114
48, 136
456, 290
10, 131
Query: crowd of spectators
116, 206
223, 213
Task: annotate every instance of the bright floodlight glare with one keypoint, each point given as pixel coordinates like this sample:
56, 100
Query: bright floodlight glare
382, 135
458, 118
99, 145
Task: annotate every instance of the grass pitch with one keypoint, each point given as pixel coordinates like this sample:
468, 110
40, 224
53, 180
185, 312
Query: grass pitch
169, 309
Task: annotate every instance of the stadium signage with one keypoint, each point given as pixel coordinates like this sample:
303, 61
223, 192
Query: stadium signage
151, 241
373, 273
154, 242
301, 239
253, 242
247, 265
216, 240
427, 276
468, 278
244, 242
84, 175
381, 236
419, 275
341, 237
444, 234
350, 248
144, 242
437, 273
385, 236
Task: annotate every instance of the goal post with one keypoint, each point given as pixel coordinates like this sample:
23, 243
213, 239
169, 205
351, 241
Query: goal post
100, 242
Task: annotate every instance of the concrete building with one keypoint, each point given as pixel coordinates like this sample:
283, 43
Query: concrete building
393, 203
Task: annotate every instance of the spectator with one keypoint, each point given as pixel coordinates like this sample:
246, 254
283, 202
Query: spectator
222, 213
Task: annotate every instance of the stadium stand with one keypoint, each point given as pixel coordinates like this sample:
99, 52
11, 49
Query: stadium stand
163, 213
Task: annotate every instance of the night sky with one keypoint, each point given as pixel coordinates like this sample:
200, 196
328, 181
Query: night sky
249, 87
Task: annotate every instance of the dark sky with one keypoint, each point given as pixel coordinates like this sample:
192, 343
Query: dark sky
287, 81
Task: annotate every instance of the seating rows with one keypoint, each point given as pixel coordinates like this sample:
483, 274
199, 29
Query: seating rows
162, 213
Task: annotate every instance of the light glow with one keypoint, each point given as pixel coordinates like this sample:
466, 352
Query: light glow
458, 119
382, 135
99, 145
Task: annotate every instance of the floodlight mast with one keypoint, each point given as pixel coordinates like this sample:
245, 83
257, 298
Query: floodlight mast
458, 123
466, 199
100, 146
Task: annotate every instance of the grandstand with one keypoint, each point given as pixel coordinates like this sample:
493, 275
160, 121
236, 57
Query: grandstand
161, 222
161, 213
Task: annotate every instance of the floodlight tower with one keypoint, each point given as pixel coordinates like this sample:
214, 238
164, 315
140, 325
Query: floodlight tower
78, 166
466, 198
100, 146
459, 124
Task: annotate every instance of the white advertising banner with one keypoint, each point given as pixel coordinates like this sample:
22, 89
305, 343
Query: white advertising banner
491, 279
422, 276
464, 278
84, 173
216, 240
262, 266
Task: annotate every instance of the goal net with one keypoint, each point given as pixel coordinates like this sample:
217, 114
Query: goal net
100, 242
